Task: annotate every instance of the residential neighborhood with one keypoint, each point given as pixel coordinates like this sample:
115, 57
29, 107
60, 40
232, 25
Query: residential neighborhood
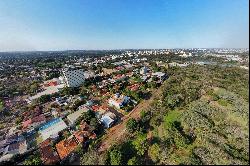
57, 124
81, 102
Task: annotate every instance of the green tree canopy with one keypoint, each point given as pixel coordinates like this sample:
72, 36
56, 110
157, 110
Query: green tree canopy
131, 125
154, 152
133, 161
115, 157
33, 160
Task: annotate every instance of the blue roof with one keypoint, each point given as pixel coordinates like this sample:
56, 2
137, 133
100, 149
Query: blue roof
106, 120
50, 123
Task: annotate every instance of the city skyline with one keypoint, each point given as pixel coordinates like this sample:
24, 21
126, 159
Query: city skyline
98, 25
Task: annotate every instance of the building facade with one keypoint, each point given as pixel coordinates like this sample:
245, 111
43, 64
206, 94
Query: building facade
73, 77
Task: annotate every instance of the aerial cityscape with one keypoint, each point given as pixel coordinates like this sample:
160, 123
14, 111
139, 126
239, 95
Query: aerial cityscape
120, 83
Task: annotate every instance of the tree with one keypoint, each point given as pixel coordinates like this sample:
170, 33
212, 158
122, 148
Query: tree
33, 160
92, 157
152, 84
86, 116
131, 125
133, 161
66, 134
136, 95
95, 125
84, 91
140, 144
18, 120
44, 98
115, 157
173, 101
33, 87
69, 91
53, 75
78, 103
154, 152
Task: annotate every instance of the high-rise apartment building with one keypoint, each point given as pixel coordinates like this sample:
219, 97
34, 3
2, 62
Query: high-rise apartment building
73, 77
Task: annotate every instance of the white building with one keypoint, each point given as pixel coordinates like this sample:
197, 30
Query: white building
118, 100
89, 74
143, 70
185, 55
160, 75
73, 77
108, 119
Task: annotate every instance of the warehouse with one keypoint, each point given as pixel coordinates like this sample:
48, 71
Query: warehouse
52, 127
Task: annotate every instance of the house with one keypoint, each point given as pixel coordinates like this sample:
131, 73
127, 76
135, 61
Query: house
128, 66
61, 101
119, 68
30, 137
134, 87
48, 155
101, 111
119, 77
90, 103
95, 107
65, 147
83, 136
160, 75
75, 115
118, 100
53, 82
12, 138
38, 120
54, 112
144, 78
108, 119
16, 148
52, 127
6, 157
89, 74
34, 122
26, 123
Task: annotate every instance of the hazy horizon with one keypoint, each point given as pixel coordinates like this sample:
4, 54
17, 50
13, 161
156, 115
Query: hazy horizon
61, 25
116, 49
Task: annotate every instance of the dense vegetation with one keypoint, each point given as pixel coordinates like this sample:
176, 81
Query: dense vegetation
201, 117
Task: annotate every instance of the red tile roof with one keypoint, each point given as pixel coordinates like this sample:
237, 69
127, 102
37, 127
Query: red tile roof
26, 123
95, 107
39, 118
65, 147
134, 87
48, 155
81, 136
46, 143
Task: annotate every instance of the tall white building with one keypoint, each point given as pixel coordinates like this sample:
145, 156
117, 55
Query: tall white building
73, 77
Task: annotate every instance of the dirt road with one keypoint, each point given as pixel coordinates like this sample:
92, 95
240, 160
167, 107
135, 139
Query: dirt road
116, 132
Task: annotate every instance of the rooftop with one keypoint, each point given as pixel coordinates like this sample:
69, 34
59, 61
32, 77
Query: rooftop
48, 155
107, 121
65, 147
52, 127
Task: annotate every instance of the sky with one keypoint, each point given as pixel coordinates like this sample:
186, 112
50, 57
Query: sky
33, 25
